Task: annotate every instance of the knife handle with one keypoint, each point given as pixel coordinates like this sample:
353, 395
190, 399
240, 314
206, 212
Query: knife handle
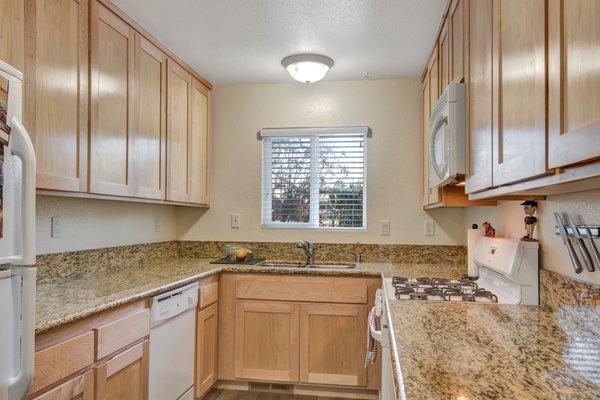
574, 258
585, 254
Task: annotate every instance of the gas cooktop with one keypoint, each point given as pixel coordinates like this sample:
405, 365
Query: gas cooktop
440, 289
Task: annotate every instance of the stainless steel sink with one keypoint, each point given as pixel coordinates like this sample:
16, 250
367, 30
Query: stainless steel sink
312, 266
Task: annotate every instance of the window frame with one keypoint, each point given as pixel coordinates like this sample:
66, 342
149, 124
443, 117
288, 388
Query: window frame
266, 175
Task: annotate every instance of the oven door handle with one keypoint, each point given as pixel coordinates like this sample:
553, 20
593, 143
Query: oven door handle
375, 334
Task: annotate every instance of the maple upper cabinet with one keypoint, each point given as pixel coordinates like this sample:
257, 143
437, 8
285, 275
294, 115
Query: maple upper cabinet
11, 32
456, 22
266, 341
425, 92
112, 99
179, 89
444, 57
147, 141
433, 72
479, 89
519, 87
199, 142
187, 137
573, 81
56, 48
331, 344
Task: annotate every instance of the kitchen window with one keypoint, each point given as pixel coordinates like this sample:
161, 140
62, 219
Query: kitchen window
314, 178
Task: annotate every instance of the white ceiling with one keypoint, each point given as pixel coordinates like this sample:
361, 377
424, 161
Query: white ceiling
243, 41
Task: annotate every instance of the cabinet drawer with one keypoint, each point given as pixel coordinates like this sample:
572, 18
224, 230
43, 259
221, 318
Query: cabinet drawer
294, 288
118, 334
209, 294
61, 360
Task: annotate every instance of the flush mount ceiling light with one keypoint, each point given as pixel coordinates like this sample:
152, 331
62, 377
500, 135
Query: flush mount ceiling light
307, 68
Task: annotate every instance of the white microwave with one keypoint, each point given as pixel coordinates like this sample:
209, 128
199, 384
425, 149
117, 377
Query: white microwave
447, 138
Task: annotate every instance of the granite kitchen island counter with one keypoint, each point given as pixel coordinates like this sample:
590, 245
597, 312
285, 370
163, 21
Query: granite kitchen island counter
68, 298
448, 350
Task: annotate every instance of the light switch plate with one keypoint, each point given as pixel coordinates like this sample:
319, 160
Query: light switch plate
235, 220
384, 227
157, 224
55, 227
429, 228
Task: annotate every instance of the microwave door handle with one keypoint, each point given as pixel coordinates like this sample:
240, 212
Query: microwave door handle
21, 146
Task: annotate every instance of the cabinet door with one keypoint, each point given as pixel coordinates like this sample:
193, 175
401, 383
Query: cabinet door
332, 344
480, 96
434, 94
11, 32
573, 81
78, 388
519, 112
206, 349
125, 376
433, 71
179, 89
444, 45
198, 149
266, 345
425, 91
55, 93
457, 40
112, 96
147, 143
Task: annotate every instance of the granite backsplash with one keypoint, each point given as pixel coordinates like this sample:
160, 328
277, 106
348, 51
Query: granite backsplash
555, 290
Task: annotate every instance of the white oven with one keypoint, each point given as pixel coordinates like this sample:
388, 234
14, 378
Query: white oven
447, 133
387, 390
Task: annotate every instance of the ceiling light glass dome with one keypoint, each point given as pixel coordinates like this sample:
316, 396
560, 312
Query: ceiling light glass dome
307, 68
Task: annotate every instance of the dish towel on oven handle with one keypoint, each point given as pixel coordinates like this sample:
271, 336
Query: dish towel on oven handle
371, 345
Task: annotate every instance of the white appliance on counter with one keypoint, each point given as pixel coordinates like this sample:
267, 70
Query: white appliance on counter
17, 241
508, 274
447, 138
173, 344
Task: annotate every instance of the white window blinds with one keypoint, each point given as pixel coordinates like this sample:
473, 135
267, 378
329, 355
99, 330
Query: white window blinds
314, 178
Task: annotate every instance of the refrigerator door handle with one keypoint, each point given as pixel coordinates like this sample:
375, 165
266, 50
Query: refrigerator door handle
21, 146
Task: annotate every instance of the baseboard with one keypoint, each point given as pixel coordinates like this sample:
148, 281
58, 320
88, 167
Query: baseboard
299, 389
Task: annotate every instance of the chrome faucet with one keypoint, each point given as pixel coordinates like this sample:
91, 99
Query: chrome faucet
309, 249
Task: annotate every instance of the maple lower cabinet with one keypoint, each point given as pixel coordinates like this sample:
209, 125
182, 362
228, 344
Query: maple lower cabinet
332, 348
124, 376
79, 388
147, 142
573, 81
112, 99
56, 47
206, 349
266, 341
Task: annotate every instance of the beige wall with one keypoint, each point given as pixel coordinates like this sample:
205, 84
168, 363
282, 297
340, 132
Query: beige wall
392, 108
89, 224
508, 216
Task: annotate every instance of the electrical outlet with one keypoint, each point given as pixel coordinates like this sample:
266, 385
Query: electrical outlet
55, 227
384, 227
429, 228
235, 220
157, 224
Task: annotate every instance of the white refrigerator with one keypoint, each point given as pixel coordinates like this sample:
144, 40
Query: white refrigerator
17, 241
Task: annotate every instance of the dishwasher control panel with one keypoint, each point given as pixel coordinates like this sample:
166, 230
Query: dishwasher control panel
173, 303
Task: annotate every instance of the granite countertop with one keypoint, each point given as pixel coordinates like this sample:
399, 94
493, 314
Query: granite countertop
484, 351
67, 299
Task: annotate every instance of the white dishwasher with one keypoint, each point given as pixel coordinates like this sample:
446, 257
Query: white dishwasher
173, 344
